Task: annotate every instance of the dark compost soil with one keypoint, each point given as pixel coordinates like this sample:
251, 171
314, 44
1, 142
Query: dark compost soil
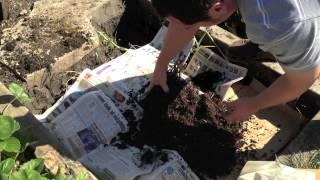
187, 122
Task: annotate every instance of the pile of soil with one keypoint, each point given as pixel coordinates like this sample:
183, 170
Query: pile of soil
188, 122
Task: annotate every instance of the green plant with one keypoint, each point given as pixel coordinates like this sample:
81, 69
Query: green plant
81, 176
10, 147
19, 94
198, 43
109, 42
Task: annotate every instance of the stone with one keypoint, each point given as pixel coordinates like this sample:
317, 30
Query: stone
55, 162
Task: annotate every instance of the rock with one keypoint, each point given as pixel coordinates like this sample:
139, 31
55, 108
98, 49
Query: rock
54, 161
23, 12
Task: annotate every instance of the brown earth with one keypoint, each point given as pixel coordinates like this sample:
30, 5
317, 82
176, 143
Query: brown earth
37, 37
190, 123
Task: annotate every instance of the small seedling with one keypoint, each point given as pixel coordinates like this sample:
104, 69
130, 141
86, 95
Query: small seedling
109, 42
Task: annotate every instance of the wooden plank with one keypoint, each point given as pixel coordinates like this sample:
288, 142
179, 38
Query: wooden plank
222, 35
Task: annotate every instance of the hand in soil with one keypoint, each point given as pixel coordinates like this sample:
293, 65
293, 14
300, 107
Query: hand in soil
241, 110
159, 78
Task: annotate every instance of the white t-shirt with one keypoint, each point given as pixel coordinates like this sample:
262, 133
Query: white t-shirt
289, 29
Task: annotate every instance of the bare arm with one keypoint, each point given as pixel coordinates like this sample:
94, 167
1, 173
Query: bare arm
177, 37
288, 87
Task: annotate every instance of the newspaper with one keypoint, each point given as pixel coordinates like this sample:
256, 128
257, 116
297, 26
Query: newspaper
91, 114
113, 163
91, 122
89, 81
126, 164
205, 59
174, 168
132, 71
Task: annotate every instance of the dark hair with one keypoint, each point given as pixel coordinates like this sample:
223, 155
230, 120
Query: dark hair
187, 11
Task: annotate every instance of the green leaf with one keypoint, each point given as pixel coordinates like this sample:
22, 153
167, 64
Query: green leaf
34, 175
5, 177
11, 144
81, 176
34, 164
59, 176
8, 126
27, 174
6, 166
19, 175
19, 93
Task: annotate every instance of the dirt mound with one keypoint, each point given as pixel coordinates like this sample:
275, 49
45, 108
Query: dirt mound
187, 122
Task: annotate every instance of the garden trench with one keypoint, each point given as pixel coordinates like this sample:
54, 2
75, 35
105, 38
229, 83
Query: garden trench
46, 54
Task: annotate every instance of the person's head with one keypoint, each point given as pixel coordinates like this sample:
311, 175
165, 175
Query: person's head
191, 12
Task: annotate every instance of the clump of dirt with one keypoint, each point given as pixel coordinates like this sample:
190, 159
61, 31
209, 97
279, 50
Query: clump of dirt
207, 79
188, 122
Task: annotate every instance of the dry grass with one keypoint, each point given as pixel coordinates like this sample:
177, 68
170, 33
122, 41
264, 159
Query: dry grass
303, 160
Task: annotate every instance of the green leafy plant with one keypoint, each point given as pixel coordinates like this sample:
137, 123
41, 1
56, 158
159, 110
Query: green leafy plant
109, 42
81, 176
19, 94
10, 147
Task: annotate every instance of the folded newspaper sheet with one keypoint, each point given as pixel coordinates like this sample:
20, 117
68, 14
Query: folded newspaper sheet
118, 164
205, 59
131, 71
174, 168
89, 81
127, 164
91, 122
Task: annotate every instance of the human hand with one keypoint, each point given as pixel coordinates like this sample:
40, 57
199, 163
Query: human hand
241, 109
159, 78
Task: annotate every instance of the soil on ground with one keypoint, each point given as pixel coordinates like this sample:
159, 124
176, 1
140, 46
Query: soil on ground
29, 44
189, 122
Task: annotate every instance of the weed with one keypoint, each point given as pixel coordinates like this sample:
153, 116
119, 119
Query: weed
303, 160
109, 42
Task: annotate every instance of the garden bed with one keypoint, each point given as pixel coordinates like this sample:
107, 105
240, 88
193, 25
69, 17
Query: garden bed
185, 120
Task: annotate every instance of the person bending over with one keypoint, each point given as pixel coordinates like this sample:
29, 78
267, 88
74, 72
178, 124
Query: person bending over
288, 29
